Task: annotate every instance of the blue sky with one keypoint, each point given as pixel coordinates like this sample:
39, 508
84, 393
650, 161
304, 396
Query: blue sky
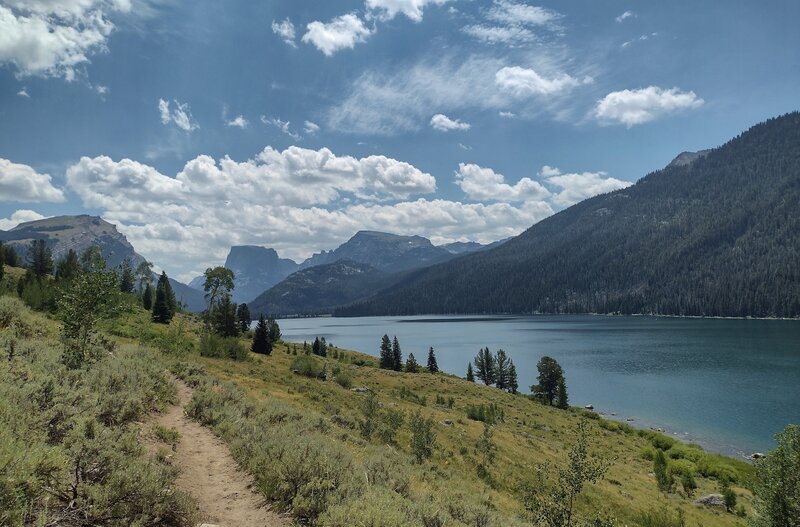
199, 125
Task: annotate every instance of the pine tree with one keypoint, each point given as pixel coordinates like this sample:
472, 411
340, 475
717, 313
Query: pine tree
411, 364
320, 347
485, 366
470, 374
397, 356
433, 366
164, 304
224, 317
40, 259
126, 280
68, 267
386, 360
663, 477
2, 262
147, 297
274, 330
562, 399
219, 281
501, 369
244, 318
9, 255
549, 374
513, 386
261, 341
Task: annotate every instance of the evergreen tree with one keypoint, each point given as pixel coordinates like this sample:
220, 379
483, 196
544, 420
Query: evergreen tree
9, 255
411, 364
663, 477
126, 280
274, 330
224, 317
485, 366
243, 315
433, 366
144, 274
777, 482
92, 260
562, 398
386, 358
513, 386
470, 374
147, 297
164, 305
40, 259
320, 347
261, 341
397, 356
549, 375
502, 363
2, 262
68, 267
219, 281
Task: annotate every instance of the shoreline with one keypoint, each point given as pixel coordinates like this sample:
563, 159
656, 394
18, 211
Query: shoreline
654, 315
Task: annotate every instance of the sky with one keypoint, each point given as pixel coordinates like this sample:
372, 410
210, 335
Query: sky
195, 126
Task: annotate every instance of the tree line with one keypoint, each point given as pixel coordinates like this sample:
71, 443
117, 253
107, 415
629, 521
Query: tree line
391, 358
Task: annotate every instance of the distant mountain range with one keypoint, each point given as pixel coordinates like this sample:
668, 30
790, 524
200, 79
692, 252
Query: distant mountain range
63, 233
715, 233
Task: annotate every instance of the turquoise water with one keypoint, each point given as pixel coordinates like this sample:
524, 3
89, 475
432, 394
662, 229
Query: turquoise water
729, 385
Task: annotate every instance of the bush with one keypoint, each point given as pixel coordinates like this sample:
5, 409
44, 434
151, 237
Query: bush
662, 518
344, 379
489, 414
681, 467
308, 366
218, 347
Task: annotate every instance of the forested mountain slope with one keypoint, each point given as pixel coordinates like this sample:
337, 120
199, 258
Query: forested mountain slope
717, 236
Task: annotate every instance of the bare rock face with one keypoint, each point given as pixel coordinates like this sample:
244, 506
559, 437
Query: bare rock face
711, 500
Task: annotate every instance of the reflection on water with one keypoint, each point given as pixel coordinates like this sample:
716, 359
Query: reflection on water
729, 384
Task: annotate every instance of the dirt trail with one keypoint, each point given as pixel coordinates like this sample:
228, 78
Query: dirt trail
208, 472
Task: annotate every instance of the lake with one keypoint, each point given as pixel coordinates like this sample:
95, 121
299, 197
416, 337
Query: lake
729, 385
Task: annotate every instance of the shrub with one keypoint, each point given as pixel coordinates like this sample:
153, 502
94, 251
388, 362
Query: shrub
423, 439
662, 518
219, 347
166, 435
681, 467
344, 379
490, 413
308, 366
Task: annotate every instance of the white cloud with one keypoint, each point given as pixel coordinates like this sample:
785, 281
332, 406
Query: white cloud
343, 32
641, 38
627, 14
285, 30
24, 93
388, 9
180, 116
525, 82
485, 184
513, 23
507, 115
512, 35
101, 90
238, 121
310, 128
579, 186
20, 216
632, 107
22, 183
510, 12
443, 123
283, 126
52, 38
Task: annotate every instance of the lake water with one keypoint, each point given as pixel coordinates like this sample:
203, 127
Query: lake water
729, 385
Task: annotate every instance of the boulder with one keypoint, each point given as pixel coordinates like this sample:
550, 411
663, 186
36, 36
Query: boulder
711, 500
359, 389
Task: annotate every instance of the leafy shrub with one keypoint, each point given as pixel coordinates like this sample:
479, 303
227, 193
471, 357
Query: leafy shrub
489, 414
216, 346
308, 366
681, 467
407, 394
166, 435
344, 379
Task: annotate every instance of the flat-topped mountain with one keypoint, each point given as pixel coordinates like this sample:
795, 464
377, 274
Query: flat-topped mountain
256, 269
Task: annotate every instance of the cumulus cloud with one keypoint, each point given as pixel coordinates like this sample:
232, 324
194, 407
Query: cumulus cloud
51, 39
624, 16
285, 30
180, 115
20, 216
525, 82
22, 183
283, 126
238, 122
485, 184
443, 123
632, 107
388, 9
343, 32
576, 187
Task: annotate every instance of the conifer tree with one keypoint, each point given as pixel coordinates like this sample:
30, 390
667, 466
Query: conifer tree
397, 356
501, 369
274, 330
147, 297
144, 274
550, 373
513, 386
411, 364
320, 347
219, 281
663, 477
243, 315
40, 259
126, 279
433, 366
224, 317
68, 267
2, 262
261, 341
485, 366
386, 358
9, 255
562, 399
164, 305
470, 374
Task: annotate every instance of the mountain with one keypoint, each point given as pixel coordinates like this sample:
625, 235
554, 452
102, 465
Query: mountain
255, 270
687, 158
318, 289
718, 236
63, 233
383, 251
462, 247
